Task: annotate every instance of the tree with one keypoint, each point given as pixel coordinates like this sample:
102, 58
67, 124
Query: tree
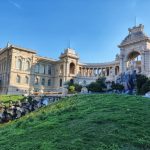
101, 82
71, 88
145, 87
97, 86
140, 81
94, 87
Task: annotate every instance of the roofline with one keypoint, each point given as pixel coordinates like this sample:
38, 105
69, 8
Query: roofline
99, 64
134, 42
17, 47
45, 58
24, 49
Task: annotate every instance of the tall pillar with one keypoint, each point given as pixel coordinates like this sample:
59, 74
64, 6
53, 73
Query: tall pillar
110, 71
93, 72
105, 72
67, 69
88, 72
122, 65
81, 71
143, 62
84, 72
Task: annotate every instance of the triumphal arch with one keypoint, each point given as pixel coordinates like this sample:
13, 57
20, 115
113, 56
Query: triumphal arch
135, 51
22, 70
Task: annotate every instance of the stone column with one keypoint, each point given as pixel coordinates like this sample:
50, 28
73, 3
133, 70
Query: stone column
101, 72
64, 68
146, 62
122, 64
110, 71
87, 72
113, 70
105, 72
93, 72
83, 72
67, 69
143, 62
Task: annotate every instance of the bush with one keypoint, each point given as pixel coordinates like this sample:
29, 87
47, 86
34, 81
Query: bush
117, 86
145, 87
140, 81
94, 87
101, 82
72, 88
97, 86
77, 87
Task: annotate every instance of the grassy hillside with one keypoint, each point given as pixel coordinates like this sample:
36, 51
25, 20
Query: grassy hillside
84, 122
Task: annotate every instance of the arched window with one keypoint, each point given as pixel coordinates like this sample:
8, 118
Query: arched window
36, 81
49, 82
72, 68
71, 81
19, 64
18, 79
43, 82
26, 80
27, 66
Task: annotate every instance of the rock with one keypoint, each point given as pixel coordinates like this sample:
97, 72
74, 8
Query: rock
84, 90
147, 94
65, 91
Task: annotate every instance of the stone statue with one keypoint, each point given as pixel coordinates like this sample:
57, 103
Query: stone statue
128, 80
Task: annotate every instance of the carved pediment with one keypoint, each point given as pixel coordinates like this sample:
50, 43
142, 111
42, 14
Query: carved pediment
136, 34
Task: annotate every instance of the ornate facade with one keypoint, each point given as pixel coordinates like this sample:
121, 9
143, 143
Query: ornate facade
22, 70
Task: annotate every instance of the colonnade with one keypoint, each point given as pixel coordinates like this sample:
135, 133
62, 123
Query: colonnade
86, 71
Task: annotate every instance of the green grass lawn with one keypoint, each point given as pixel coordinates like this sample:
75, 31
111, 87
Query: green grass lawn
7, 98
83, 122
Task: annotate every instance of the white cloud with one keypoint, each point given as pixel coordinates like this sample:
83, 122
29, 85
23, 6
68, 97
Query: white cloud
15, 4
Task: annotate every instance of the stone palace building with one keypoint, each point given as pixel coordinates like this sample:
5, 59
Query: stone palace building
22, 70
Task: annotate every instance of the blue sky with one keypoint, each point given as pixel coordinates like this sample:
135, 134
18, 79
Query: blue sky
94, 27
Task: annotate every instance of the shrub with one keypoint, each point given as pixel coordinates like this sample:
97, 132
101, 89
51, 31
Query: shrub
72, 88
145, 87
77, 87
97, 86
117, 86
101, 82
94, 87
140, 81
